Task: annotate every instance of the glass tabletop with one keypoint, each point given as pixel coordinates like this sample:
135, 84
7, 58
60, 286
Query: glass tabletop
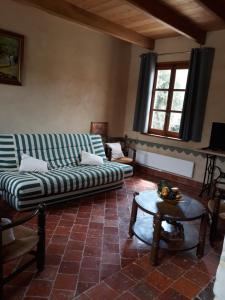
186, 209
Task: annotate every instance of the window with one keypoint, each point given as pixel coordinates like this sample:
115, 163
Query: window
168, 98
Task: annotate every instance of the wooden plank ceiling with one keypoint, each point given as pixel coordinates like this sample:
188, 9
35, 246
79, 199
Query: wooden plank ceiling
141, 21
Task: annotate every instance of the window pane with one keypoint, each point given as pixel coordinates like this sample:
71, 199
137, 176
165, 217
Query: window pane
158, 120
178, 100
160, 100
174, 124
181, 78
163, 79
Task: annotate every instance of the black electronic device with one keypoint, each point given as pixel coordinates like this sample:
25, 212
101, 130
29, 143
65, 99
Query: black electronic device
217, 139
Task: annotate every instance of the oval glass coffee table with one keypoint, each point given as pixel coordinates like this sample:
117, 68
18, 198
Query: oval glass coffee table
168, 226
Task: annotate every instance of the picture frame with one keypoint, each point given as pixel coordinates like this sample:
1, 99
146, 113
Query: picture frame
99, 128
11, 57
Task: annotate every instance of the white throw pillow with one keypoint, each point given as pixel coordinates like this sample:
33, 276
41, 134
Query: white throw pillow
90, 159
116, 150
31, 164
8, 234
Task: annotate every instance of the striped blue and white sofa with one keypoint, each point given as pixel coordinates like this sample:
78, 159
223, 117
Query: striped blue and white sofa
65, 180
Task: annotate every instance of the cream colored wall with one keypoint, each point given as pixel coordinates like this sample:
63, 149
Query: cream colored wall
71, 75
215, 108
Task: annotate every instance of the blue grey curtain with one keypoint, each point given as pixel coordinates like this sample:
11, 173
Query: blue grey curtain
144, 92
196, 93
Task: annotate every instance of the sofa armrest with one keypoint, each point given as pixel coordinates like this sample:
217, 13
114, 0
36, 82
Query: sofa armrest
134, 152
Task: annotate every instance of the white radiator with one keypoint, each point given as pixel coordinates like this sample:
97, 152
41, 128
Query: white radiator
165, 163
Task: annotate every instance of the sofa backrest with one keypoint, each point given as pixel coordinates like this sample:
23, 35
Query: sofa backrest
57, 149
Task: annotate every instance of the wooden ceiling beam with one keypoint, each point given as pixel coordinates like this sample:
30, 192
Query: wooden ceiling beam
75, 14
171, 17
216, 6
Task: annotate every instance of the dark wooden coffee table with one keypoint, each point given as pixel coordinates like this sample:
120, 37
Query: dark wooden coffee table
172, 227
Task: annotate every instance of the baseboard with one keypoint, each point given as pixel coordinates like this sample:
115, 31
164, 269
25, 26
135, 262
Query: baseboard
179, 180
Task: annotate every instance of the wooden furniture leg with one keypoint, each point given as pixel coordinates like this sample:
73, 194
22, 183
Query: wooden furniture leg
208, 174
156, 238
202, 235
133, 216
215, 217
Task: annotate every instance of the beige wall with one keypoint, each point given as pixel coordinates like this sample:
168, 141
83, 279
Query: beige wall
215, 109
71, 75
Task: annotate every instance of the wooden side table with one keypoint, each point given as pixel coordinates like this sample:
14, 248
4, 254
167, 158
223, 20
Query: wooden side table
163, 222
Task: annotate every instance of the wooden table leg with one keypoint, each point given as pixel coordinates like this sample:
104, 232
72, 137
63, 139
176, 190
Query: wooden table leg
202, 235
133, 216
215, 218
156, 239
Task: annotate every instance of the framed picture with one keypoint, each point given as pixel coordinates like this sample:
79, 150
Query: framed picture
99, 128
11, 53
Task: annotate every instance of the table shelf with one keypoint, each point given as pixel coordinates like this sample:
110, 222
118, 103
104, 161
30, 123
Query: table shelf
143, 230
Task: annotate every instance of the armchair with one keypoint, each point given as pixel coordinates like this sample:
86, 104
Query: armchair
125, 149
25, 241
216, 205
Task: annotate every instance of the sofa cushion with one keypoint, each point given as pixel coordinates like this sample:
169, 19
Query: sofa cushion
127, 169
30, 184
124, 160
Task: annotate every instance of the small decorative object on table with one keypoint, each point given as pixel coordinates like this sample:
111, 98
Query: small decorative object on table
168, 193
171, 195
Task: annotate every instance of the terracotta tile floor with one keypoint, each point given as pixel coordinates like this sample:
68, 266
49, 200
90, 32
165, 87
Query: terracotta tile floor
89, 255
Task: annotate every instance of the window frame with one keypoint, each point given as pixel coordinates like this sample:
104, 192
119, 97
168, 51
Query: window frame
173, 66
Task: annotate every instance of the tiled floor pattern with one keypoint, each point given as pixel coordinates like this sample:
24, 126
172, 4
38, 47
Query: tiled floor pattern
207, 292
90, 256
